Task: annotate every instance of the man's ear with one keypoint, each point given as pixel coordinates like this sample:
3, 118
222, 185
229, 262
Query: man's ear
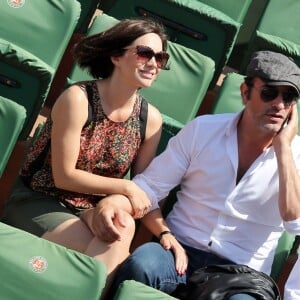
245, 92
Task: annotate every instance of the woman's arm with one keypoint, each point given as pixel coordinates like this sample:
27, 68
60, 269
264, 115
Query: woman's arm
69, 115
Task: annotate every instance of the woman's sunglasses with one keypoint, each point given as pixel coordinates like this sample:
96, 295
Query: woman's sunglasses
269, 93
145, 53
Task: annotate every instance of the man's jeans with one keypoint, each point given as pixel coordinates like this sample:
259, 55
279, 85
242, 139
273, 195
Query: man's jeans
155, 267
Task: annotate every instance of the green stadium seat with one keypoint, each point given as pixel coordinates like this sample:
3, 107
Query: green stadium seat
236, 10
88, 8
42, 28
33, 268
31, 50
228, 99
278, 30
283, 250
12, 117
25, 79
134, 290
209, 27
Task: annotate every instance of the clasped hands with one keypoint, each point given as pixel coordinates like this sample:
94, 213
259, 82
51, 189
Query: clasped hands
111, 211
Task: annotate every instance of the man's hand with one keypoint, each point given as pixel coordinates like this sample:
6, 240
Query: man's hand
168, 241
102, 220
288, 132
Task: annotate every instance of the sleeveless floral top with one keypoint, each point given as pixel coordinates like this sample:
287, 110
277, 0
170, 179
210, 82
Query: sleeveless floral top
107, 148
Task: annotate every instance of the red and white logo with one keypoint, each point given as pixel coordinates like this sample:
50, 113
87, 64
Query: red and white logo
16, 3
38, 264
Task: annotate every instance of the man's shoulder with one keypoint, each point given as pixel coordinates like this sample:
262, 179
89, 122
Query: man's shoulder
215, 120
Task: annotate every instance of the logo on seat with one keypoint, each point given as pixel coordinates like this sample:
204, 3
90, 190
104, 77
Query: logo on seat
16, 3
38, 264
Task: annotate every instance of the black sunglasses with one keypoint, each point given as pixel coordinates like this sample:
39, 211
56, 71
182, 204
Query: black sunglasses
145, 53
269, 93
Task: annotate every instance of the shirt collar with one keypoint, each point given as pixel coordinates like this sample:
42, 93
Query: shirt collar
232, 125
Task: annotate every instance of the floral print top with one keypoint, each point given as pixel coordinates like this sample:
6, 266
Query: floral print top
107, 148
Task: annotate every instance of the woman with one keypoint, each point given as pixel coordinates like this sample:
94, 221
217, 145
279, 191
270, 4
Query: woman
92, 138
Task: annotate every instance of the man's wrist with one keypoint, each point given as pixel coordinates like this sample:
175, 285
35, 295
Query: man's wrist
163, 233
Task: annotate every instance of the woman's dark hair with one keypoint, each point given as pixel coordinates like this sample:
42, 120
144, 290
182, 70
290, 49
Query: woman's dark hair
94, 52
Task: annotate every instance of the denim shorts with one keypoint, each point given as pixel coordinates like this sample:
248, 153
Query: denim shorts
35, 212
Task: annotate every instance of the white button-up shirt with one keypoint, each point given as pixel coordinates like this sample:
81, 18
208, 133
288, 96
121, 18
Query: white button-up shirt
292, 286
241, 221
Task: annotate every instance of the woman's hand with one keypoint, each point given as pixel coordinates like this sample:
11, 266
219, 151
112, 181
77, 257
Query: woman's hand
168, 241
139, 201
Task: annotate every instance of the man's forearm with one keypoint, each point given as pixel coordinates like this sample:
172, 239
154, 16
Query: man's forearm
289, 185
155, 222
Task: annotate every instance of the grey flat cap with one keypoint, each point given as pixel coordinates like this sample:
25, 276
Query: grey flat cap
274, 68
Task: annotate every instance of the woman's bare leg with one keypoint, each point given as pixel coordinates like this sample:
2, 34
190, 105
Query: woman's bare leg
74, 234
113, 254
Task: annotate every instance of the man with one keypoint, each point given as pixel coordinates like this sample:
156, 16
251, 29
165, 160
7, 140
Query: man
239, 179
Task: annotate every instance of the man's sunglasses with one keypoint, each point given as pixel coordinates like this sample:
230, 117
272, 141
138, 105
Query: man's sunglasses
145, 53
269, 93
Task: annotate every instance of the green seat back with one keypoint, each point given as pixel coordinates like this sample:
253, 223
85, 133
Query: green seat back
12, 117
278, 30
178, 92
228, 98
170, 128
191, 23
33, 268
88, 8
42, 28
236, 10
25, 79
284, 247
134, 290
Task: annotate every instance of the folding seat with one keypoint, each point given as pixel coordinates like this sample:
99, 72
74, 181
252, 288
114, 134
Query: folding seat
88, 11
228, 99
42, 28
208, 26
25, 79
33, 268
236, 10
12, 117
31, 49
177, 93
133, 290
278, 30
